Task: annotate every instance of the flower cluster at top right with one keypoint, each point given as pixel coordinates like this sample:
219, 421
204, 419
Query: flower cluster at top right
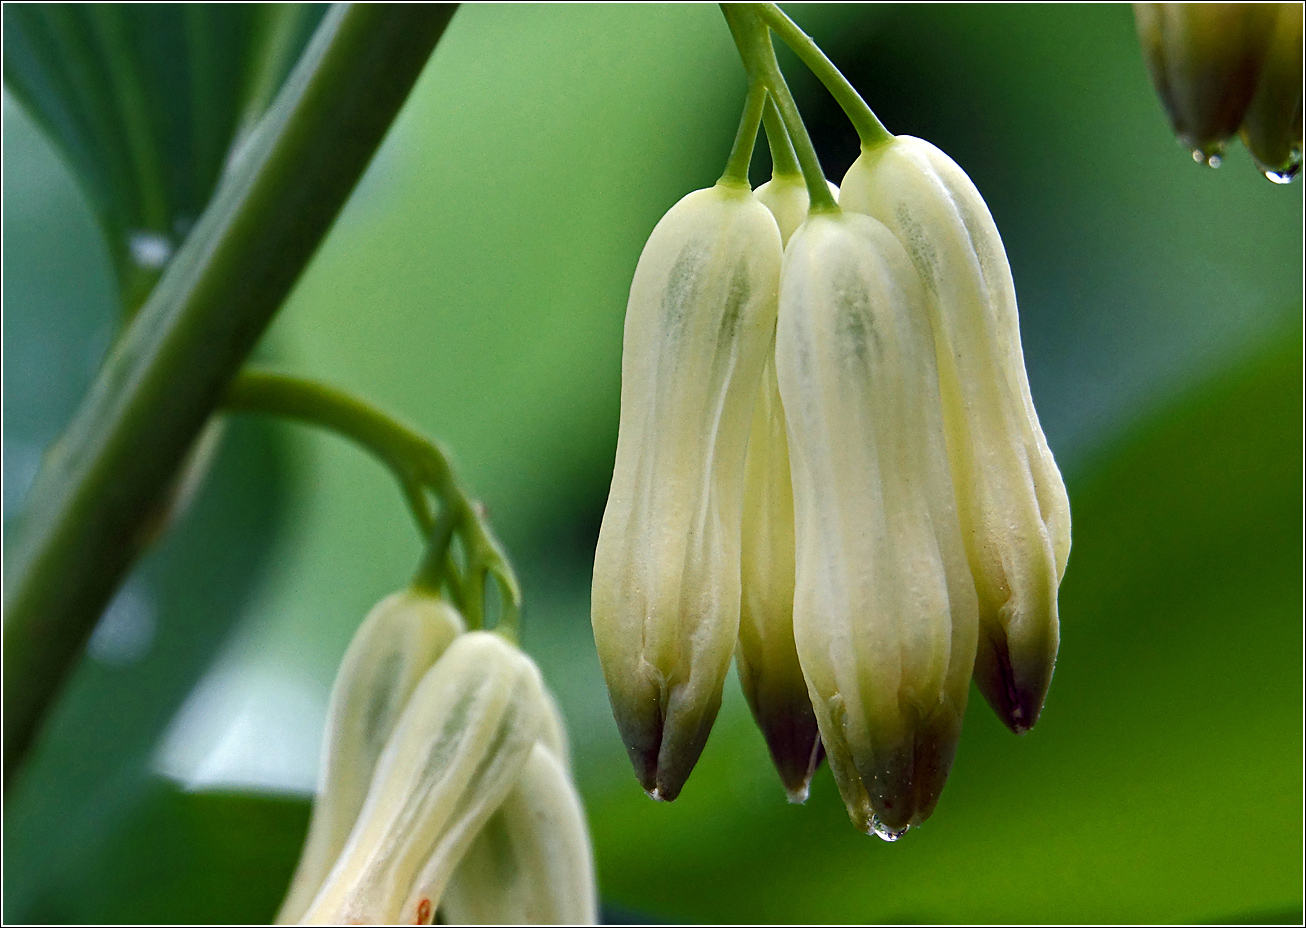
829, 467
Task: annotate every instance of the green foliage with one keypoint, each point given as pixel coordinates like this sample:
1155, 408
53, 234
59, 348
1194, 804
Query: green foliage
146, 102
475, 286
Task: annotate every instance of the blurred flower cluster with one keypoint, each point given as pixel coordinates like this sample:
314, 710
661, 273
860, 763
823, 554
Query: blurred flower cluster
829, 467
1225, 68
444, 784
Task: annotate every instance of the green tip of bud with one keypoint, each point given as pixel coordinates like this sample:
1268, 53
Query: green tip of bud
664, 746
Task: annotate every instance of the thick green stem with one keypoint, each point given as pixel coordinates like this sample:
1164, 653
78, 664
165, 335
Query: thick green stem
784, 163
868, 126
741, 155
103, 479
419, 465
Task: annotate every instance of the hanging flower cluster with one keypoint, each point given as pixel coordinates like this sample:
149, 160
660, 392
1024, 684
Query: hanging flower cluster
1226, 68
828, 466
444, 784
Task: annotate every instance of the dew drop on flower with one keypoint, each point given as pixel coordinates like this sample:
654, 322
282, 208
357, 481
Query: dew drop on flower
884, 831
1285, 174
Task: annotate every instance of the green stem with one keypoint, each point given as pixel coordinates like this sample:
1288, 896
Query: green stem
102, 481
754, 41
418, 464
868, 126
741, 155
413, 460
784, 163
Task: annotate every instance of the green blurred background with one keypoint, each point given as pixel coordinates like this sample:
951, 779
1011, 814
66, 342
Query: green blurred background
475, 285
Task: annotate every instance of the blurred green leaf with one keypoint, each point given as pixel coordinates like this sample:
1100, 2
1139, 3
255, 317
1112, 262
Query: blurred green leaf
146, 102
185, 858
83, 808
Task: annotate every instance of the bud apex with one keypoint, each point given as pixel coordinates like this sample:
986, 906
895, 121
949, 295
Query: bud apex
884, 605
454, 755
1205, 60
400, 639
1272, 128
1015, 516
665, 604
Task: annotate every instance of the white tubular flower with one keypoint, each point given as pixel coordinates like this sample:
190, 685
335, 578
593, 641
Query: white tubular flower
1015, 515
400, 639
456, 752
769, 671
665, 602
532, 863
884, 605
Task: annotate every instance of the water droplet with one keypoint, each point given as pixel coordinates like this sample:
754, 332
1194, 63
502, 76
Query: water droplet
1283, 175
885, 832
1212, 159
149, 250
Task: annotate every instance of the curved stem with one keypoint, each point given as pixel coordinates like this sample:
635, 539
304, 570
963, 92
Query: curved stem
818, 191
783, 160
754, 43
100, 485
864, 120
401, 449
419, 465
741, 154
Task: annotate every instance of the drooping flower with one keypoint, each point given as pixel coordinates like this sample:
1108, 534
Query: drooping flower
1272, 126
1015, 515
442, 747
1205, 60
666, 593
396, 644
769, 671
884, 605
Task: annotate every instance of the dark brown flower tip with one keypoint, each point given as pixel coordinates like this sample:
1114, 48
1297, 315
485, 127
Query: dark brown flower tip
1014, 689
906, 780
664, 732
793, 740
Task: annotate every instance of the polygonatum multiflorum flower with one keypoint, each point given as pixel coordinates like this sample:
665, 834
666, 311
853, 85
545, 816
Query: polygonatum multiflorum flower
442, 747
1225, 68
884, 607
904, 527
665, 602
767, 658
1014, 512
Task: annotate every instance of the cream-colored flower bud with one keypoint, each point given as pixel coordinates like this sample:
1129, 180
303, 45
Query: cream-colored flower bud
1015, 516
785, 195
531, 863
1272, 128
400, 639
884, 605
769, 671
1205, 60
456, 752
665, 604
